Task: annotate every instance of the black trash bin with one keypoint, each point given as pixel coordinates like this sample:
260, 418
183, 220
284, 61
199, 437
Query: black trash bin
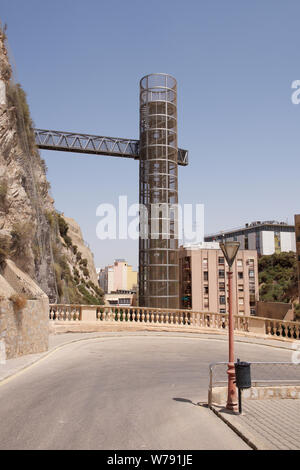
242, 374
242, 378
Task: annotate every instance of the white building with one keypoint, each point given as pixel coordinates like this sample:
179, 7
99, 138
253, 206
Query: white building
266, 237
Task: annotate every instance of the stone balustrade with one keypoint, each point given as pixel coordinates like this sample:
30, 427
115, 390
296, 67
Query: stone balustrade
155, 317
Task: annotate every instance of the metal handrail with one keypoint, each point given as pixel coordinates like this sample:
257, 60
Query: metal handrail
255, 382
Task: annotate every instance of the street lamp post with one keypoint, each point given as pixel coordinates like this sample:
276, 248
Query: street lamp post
230, 249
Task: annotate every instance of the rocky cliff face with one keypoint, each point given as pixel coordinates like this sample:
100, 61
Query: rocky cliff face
77, 240
31, 231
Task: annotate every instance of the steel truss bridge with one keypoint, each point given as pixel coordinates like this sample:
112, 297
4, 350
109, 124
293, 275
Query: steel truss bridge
94, 144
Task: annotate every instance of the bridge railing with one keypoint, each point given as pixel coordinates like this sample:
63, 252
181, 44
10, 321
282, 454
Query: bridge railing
156, 317
263, 374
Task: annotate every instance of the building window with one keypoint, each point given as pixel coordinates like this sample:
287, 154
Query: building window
241, 301
240, 275
205, 261
222, 310
241, 289
221, 273
205, 275
222, 286
252, 311
239, 263
205, 289
222, 300
251, 273
221, 260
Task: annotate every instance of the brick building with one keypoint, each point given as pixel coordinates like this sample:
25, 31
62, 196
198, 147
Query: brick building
204, 284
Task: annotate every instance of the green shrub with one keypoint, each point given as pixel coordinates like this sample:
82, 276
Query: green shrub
62, 226
3, 257
68, 241
88, 298
75, 271
86, 272
3, 195
21, 236
43, 165
16, 97
51, 218
4, 250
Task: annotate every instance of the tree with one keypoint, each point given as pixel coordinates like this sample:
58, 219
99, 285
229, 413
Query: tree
278, 277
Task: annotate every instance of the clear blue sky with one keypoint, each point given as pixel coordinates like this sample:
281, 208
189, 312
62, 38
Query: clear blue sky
80, 63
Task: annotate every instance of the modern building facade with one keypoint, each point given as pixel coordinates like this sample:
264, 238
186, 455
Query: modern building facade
204, 283
297, 240
118, 277
158, 245
266, 237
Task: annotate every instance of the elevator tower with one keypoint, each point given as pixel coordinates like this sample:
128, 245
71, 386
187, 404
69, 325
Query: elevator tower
159, 157
158, 245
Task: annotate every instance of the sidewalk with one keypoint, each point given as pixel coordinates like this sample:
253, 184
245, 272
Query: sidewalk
13, 366
266, 424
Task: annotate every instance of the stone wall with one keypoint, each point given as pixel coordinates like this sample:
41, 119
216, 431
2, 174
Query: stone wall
24, 314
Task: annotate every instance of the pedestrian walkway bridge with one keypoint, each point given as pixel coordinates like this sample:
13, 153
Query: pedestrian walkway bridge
94, 144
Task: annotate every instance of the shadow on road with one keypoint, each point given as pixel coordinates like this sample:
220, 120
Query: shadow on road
186, 400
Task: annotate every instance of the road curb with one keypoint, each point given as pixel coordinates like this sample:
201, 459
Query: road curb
246, 439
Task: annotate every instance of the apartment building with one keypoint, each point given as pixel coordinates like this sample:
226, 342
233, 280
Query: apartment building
118, 277
266, 237
204, 283
106, 278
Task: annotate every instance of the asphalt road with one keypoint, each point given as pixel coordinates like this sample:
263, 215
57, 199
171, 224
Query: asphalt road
128, 392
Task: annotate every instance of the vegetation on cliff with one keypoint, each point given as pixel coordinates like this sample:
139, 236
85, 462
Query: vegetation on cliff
278, 277
32, 233
72, 276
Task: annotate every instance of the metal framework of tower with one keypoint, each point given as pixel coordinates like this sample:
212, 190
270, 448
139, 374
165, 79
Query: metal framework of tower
159, 157
158, 245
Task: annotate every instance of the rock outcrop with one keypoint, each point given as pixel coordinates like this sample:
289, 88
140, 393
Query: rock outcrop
24, 197
32, 233
77, 239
